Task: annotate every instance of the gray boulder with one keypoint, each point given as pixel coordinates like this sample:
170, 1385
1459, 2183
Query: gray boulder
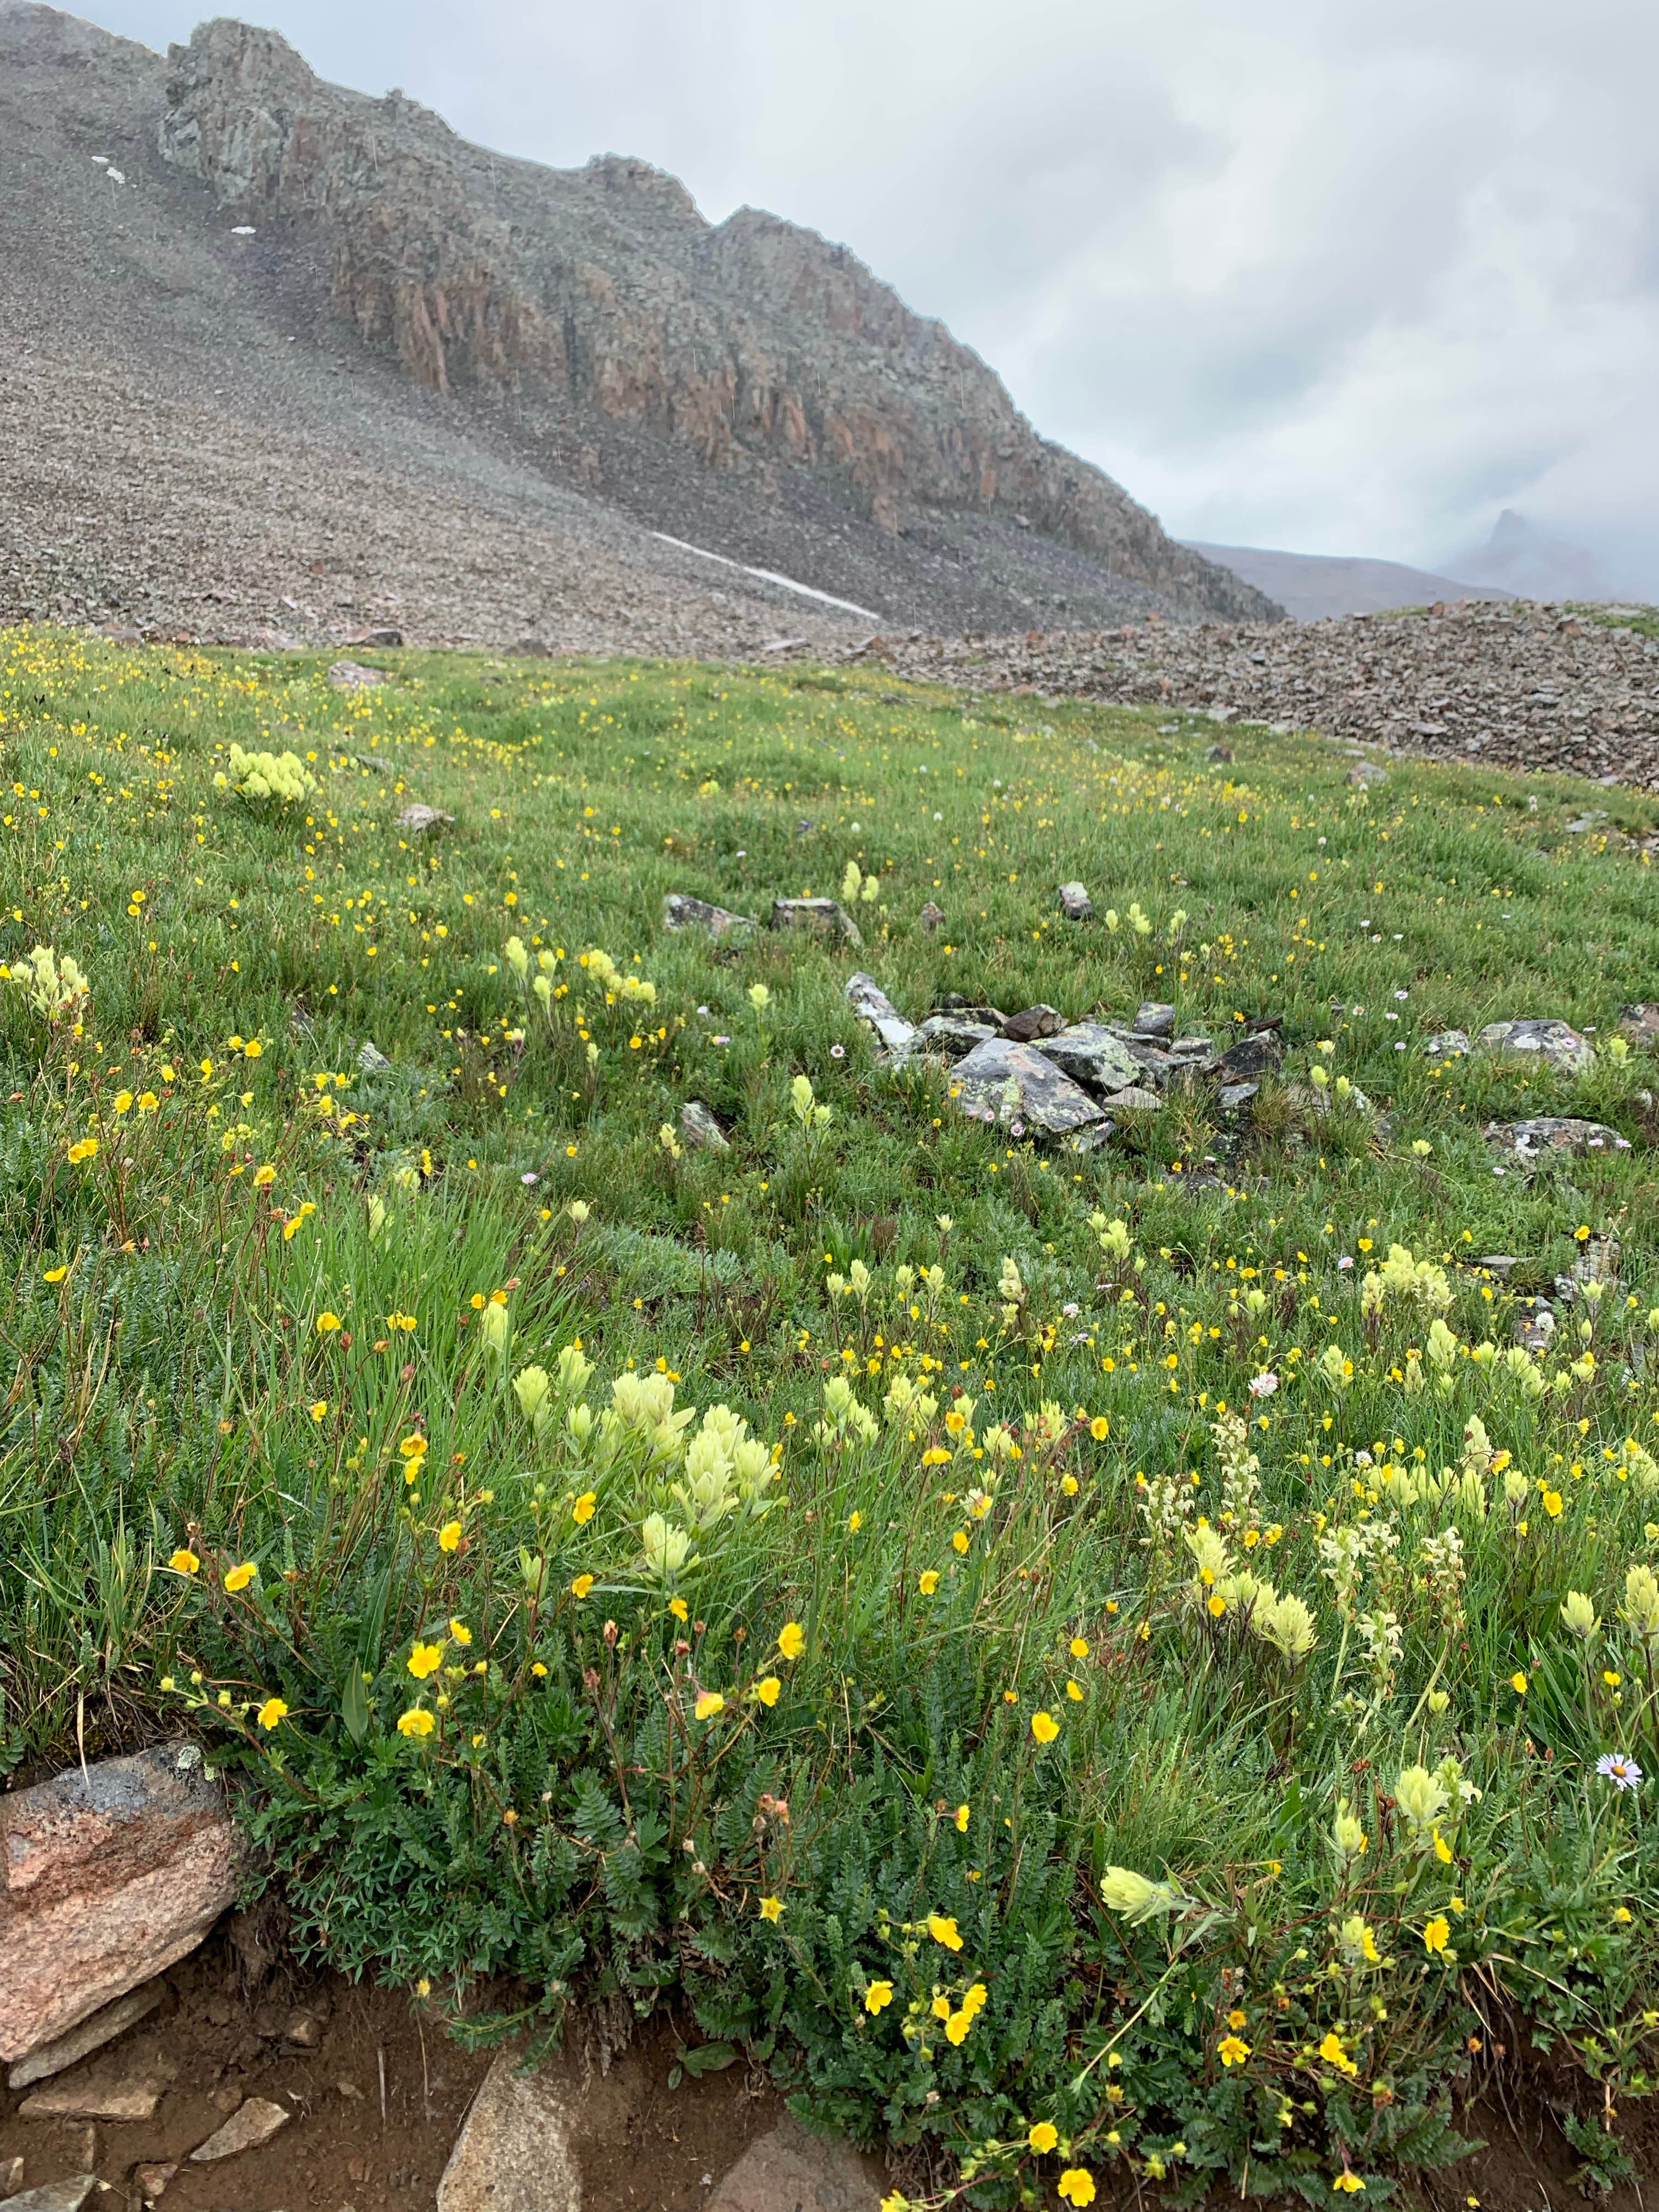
1555, 1042
1553, 1133
871, 1004
1253, 1056
827, 917
1155, 1020
416, 820
1448, 1044
681, 911
1022, 1089
701, 1130
1074, 902
1091, 1055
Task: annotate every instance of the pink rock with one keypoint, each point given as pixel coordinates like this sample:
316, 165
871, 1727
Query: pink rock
110, 1876
790, 2167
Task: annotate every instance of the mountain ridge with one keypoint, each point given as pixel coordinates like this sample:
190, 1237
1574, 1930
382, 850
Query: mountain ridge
313, 286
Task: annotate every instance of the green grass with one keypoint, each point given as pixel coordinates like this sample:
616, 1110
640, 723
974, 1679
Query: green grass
1011, 1512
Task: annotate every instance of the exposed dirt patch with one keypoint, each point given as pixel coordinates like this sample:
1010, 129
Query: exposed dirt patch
638, 2142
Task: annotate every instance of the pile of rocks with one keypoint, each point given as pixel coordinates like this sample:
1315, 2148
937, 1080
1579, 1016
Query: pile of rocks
1521, 686
1035, 1072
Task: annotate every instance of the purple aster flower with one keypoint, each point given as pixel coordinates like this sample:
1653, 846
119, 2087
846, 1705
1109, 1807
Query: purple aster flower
1624, 1773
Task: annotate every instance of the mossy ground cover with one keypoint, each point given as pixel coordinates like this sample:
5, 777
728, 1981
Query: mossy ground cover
1086, 1666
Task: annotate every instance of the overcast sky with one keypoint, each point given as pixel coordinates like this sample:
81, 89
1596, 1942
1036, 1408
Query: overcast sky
1299, 273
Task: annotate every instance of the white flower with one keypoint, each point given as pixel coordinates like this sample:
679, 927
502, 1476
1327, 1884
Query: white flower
1264, 1385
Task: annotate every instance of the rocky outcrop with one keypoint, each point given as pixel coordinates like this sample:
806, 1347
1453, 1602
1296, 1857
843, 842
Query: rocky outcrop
110, 1874
601, 294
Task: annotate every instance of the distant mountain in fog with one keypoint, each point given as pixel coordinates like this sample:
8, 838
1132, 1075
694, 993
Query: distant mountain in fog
1534, 564
1310, 585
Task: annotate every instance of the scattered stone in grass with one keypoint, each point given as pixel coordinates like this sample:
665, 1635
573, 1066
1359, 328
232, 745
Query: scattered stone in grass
931, 917
1093, 1055
514, 2152
1219, 755
1032, 1023
871, 1004
1074, 902
1021, 1089
1640, 1022
1501, 1264
827, 916
681, 911
1190, 1047
1134, 1098
251, 2125
1448, 1044
374, 638
1155, 1019
1364, 774
1553, 1133
352, 675
701, 1130
1234, 1097
418, 820
1555, 1041
371, 1060
1592, 819
1255, 1055
378, 762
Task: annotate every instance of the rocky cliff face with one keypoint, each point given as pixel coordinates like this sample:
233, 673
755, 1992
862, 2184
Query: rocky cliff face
599, 305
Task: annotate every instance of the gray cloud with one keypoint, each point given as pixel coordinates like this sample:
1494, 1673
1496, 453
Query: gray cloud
1340, 279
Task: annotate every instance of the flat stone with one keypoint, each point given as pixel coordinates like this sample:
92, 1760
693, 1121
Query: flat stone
378, 762
1075, 902
110, 1876
1364, 774
152, 2178
372, 638
1555, 1042
1448, 1044
352, 675
871, 1004
1022, 1089
103, 2027
828, 917
1235, 1097
701, 1130
681, 911
1554, 1133
371, 1060
126, 2087
1581, 823
931, 917
1497, 1263
1091, 1055
1155, 1020
1133, 1099
55, 2195
952, 1035
1190, 1047
251, 2123
1257, 1054
791, 2170
417, 819
514, 2152
1032, 1023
